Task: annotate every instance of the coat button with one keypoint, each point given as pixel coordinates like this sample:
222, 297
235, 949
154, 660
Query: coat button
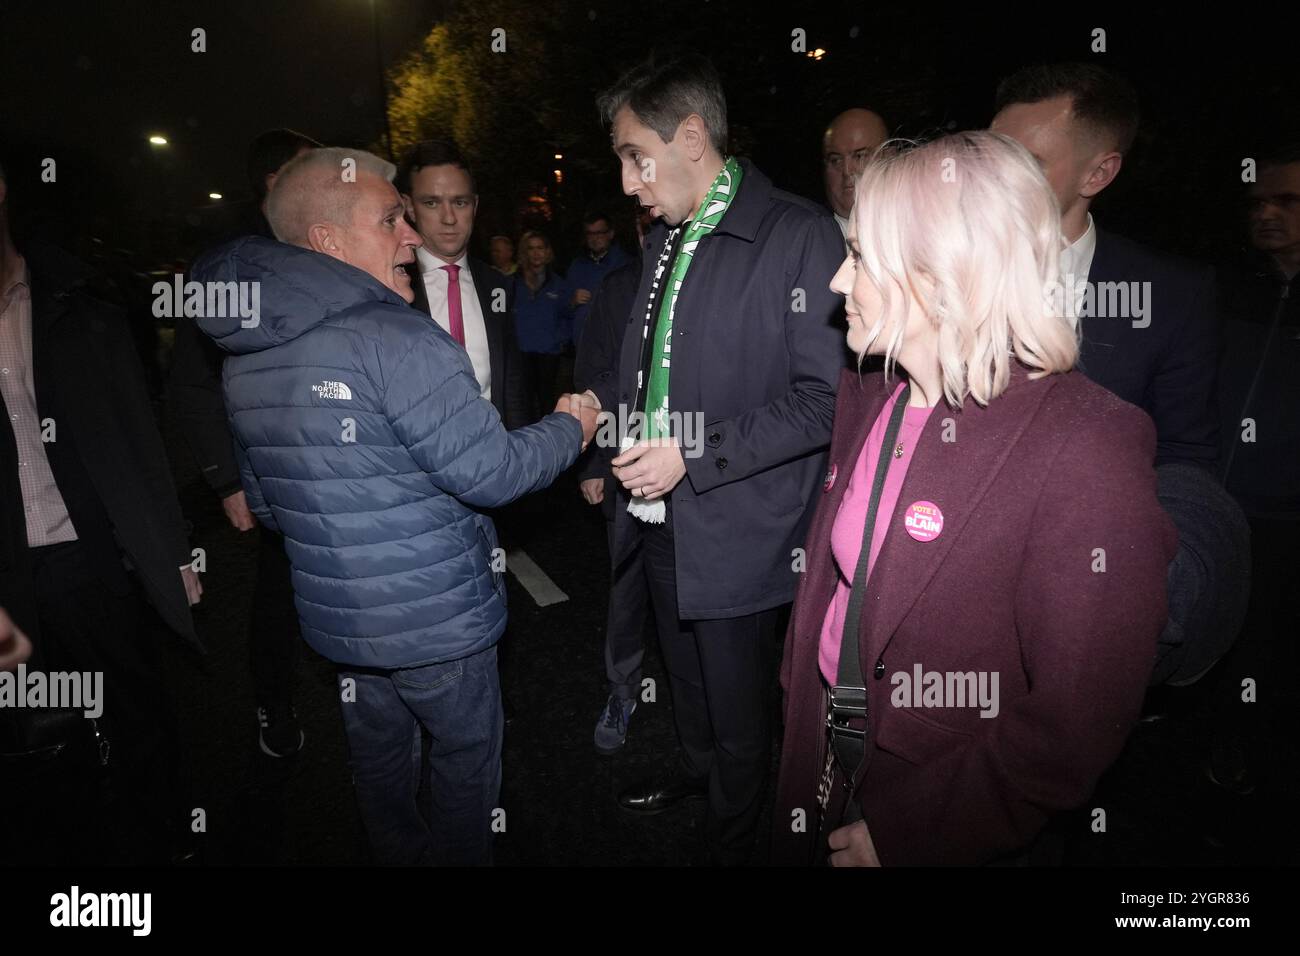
714, 438
722, 463
879, 672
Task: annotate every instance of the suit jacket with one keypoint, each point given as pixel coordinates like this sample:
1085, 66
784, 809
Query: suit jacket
508, 381
598, 351
1167, 364
758, 346
107, 456
1029, 488
198, 408
1259, 380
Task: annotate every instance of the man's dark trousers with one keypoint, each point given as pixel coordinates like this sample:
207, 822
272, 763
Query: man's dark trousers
720, 672
459, 704
625, 622
273, 623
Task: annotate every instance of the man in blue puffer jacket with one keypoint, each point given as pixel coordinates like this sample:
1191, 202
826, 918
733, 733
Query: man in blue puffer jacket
362, 437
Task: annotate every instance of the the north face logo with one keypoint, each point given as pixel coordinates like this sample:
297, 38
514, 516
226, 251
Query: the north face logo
334, 390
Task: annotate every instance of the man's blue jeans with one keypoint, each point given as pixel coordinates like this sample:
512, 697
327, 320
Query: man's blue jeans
459, 704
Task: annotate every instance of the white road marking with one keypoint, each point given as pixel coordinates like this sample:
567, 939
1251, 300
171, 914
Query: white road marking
539, 586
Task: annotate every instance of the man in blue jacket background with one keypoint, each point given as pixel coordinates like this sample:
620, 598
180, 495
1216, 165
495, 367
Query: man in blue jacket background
362, 436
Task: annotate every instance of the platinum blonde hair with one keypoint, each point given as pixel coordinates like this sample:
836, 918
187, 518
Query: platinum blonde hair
970, 217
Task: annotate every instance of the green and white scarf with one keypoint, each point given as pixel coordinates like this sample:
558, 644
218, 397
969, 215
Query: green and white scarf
716, 202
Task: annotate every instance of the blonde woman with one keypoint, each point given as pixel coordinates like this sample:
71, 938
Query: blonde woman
543, 322
980, 665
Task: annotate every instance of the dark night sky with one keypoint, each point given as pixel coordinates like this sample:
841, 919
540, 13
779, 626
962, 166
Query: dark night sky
88, 83
98, 79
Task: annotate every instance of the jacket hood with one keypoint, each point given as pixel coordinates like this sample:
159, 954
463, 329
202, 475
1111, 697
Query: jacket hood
282, 292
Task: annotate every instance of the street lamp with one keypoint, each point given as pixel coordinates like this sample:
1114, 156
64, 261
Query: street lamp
158, 140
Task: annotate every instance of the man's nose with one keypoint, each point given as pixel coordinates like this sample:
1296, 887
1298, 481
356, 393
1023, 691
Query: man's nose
407, 235
448, 214
632, 181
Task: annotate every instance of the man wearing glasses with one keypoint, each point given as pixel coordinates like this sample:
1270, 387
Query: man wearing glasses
603, 256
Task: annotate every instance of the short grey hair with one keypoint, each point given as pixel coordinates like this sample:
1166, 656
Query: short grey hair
664, 90
311, 189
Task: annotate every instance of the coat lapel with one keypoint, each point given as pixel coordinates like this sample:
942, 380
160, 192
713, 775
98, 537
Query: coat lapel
955, 475
860, 402
494, 323
1098, 335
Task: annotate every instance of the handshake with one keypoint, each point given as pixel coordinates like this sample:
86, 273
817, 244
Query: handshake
585, 408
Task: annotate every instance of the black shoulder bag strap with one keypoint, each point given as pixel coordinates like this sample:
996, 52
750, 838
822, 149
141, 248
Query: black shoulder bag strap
849, 695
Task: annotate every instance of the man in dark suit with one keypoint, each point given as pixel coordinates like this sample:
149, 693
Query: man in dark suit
598, 349
1149, 329
89, 526
468, 298
197, 406
720, 505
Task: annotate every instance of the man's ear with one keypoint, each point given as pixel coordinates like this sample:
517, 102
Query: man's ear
694, 136
321, 238
4, 191
1104, 169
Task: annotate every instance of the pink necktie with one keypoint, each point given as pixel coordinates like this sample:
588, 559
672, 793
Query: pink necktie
457, 320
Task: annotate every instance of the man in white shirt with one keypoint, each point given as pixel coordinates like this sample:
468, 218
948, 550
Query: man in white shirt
1159, 349
464, 296
847, 144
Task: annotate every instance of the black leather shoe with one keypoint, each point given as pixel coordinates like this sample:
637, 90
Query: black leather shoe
656, 796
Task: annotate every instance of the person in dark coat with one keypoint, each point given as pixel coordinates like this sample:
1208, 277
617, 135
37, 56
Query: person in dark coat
981, 645
629, 599
601, 255
194, 400
1260, 402
1149, 329
90, 529
441, 202
732, 430
1148, 332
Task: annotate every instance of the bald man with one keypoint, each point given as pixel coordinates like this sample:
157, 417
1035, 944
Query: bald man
846, 145
362, 435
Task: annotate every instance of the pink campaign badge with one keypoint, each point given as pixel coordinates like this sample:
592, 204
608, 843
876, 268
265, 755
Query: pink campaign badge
830, 478
923, 520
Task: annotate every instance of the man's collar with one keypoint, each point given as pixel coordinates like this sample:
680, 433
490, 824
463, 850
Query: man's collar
748, 208
428, 261
1087, 241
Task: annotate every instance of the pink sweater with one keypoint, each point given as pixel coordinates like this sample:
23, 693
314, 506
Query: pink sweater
846, 533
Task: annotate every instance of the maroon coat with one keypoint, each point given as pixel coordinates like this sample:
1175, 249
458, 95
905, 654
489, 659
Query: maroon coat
1029, 487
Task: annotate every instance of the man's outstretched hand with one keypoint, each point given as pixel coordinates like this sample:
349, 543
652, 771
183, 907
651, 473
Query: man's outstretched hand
584, 411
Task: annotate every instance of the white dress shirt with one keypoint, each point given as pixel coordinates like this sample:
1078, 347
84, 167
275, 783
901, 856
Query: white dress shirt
1076, 258
1076, 263
844, 226
476, 341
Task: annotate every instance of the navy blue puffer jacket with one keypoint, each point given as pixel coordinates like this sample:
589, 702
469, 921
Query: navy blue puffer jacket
361, 435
